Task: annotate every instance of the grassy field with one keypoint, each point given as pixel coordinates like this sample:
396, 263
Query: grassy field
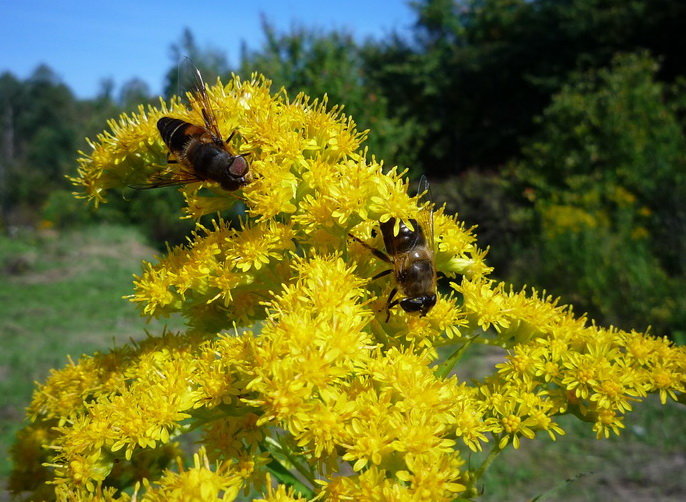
61, 294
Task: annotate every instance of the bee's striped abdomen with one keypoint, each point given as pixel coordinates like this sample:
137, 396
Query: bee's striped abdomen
173, 132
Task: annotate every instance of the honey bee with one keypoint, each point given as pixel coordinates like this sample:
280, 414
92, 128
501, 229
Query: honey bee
411, 254
201, 150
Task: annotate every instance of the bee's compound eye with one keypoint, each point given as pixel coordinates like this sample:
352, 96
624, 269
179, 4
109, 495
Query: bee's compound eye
238, 167
429, 302
411, 304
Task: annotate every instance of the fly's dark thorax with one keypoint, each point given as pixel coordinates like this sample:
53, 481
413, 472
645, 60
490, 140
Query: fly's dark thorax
209, 160
414, 267
213, 162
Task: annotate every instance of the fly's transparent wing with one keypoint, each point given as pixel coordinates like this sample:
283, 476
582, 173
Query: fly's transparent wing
426, 214
176, 179
200, 100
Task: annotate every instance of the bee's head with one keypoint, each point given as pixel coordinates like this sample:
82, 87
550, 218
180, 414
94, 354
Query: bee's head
234, 172
237, 167
418, 304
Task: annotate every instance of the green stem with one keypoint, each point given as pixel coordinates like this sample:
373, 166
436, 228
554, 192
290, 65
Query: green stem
201, 416
444, 369
489, 460
306, 474
474, 478
284, 476
200, 420
293, 460
379, 333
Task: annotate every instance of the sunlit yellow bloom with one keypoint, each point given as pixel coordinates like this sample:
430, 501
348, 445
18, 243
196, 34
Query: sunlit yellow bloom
201, 482
486, 305
289, 375
520, 366
582, 375
607, 422
432, 477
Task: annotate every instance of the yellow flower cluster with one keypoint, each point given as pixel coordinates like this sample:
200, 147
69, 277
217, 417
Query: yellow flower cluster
290, 376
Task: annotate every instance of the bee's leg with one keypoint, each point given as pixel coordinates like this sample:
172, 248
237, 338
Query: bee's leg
390, 303
381, 274
379, 254
170, 160
206, 116
230, 136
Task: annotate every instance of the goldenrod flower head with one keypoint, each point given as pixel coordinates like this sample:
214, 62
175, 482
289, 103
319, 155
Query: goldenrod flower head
289, 369
201, 482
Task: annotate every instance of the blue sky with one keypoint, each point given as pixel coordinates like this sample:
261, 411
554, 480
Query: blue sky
84, 42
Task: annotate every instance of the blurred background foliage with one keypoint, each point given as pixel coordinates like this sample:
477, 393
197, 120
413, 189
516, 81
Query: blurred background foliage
556, 126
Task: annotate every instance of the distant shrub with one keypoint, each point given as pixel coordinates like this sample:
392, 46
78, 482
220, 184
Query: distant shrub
61, 210
485, 200
155, 212
606, 179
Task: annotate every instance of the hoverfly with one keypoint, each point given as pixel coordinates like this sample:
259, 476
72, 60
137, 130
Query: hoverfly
200, 149
411, 254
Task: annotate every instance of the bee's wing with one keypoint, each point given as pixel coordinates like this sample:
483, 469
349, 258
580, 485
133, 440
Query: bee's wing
401, 262
202, 101
426, 214
181, 178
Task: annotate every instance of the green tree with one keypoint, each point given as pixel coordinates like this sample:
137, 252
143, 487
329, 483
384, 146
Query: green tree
607, 177
39, 117
134, 92
476, 72
186, 56
10, 89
